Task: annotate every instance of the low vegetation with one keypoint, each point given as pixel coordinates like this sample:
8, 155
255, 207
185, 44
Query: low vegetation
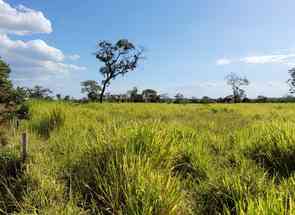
151, 159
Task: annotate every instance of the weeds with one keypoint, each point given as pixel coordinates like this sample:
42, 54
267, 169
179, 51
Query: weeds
11, 182
3, 138
274, 149
51, 121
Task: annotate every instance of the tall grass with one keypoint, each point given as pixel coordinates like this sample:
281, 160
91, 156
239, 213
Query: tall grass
152, 159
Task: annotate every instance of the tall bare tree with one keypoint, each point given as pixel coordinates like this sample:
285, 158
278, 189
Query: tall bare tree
117, 59
291, 81
236, 82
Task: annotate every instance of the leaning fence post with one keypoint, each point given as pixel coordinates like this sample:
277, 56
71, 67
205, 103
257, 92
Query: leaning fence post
24, 146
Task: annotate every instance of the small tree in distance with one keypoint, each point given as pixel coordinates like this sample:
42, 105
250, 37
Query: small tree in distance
92, 89
39, 92
236, 82
179, 97
132, 94
150, 95
118, 59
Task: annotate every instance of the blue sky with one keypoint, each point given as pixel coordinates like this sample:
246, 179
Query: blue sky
190, 45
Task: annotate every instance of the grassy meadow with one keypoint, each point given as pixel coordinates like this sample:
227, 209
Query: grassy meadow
151, 159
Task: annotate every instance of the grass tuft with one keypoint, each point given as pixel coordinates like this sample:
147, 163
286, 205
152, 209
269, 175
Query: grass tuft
49, 122
274, 149
12, 183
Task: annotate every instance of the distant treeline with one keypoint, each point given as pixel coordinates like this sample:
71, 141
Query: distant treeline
203, 100
146, 96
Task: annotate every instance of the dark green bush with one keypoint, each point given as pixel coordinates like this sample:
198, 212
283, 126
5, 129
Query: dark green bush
23, 112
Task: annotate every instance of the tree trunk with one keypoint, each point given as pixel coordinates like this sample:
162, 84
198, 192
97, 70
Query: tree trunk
102, 91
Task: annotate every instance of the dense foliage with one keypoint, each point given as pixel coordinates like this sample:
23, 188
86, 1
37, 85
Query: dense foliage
11, 100
6, 89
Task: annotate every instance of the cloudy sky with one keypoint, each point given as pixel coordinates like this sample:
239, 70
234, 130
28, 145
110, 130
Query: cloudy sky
190, 46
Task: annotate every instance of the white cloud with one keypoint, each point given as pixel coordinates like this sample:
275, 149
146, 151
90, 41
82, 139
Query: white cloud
291, 64
277, 84
287, 59
22, 20
223, 61
35, 49
73, 57
208, 84
33, 59
267, 59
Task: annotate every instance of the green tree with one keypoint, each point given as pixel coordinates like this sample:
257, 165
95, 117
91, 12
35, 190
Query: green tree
150, 95
39, 92
117, 59
132, 94
10, 98
58, 96
6, 88
67, 98
92, 88
179, 98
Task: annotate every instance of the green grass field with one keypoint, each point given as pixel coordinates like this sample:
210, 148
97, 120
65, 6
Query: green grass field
152, 159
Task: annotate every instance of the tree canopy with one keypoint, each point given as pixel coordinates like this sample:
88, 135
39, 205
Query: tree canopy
117, 59
39, 92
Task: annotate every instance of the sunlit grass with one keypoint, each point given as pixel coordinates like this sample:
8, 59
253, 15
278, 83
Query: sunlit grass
154, 159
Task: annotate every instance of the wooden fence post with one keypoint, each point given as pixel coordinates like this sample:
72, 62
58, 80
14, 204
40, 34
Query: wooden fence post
24, 146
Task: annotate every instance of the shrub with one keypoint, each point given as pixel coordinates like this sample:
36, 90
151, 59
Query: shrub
23, 112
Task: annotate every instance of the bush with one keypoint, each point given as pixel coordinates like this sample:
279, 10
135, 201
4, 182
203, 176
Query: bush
23, 112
